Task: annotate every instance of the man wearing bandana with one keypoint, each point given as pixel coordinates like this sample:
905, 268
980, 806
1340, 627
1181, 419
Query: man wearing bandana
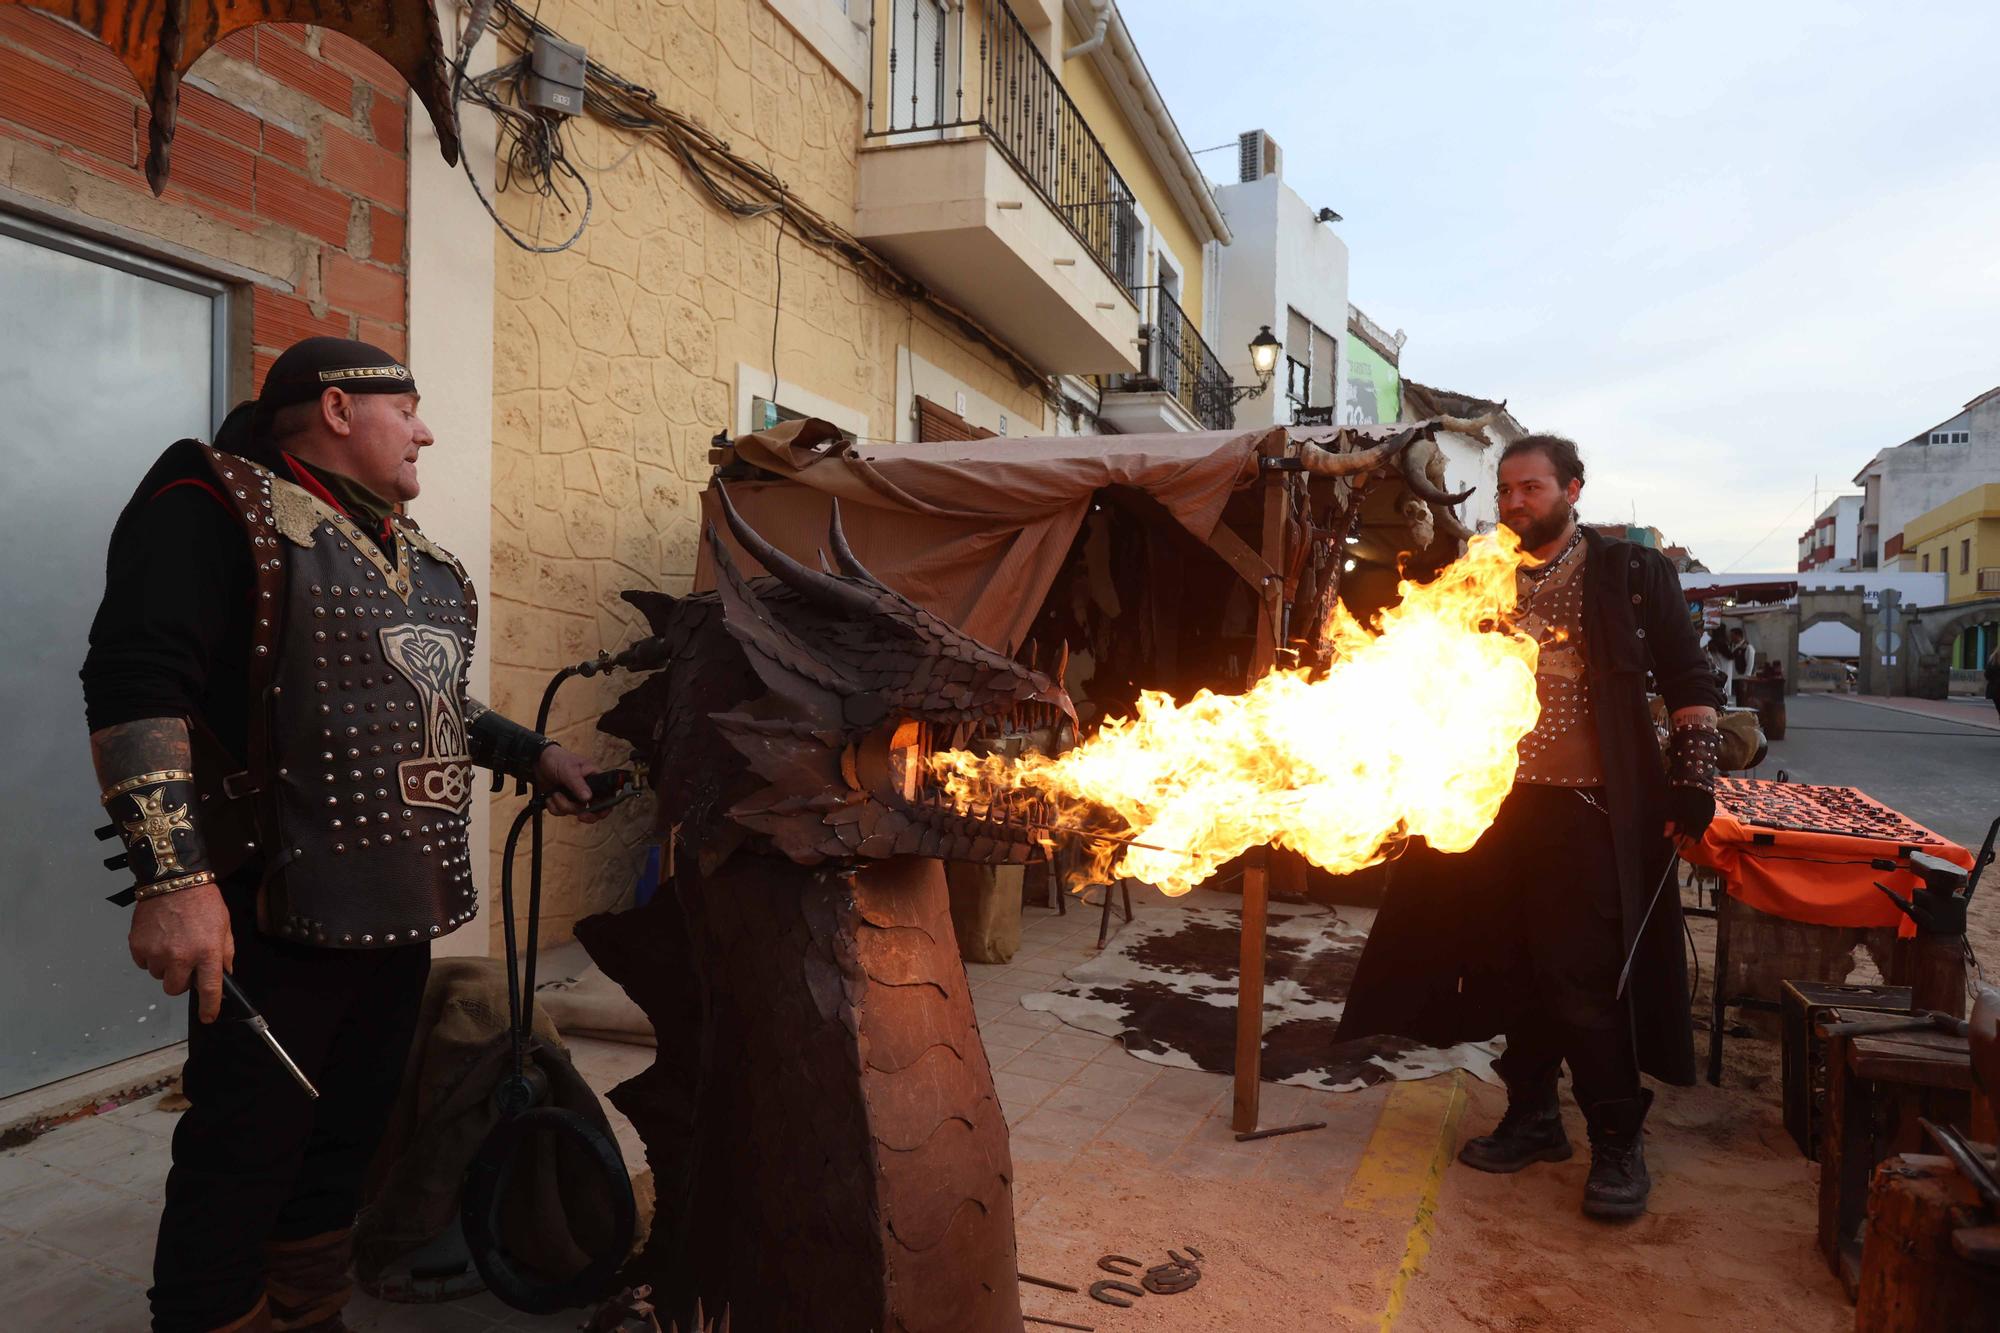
275, 690
1526, 934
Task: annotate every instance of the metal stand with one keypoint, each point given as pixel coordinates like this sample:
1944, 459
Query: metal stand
1104, 923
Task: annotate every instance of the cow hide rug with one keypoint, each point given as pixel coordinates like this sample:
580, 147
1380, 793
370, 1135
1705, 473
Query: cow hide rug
1165, 986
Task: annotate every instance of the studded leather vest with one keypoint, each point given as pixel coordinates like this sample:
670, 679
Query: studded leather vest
358, 756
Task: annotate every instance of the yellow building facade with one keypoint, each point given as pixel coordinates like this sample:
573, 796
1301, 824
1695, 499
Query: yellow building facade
673, 318
1961, 539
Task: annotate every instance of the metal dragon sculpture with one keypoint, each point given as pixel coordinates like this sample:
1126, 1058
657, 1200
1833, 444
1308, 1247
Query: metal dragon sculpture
827, 1149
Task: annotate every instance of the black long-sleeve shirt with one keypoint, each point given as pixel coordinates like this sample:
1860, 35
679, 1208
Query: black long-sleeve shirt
172, 634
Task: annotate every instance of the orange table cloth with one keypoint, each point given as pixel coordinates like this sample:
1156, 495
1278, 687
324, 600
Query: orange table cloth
1803, 852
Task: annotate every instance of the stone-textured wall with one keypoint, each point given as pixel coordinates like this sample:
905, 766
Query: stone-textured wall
616, 361
289, 161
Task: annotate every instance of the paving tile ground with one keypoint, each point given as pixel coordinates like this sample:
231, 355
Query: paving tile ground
78, 1205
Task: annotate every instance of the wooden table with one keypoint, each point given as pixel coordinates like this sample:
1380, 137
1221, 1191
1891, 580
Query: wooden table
1878, 1087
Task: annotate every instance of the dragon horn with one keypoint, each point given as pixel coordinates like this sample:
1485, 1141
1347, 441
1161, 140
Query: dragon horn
843, 554
810, 583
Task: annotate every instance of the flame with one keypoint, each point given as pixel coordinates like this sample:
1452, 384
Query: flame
1412, 732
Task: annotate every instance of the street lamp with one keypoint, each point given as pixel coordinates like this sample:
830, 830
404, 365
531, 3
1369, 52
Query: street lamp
1264, 349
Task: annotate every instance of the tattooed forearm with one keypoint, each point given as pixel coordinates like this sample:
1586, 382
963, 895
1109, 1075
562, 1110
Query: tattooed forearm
1694, 717
150, 745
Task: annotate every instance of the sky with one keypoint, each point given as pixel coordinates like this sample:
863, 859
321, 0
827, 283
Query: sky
1728, 248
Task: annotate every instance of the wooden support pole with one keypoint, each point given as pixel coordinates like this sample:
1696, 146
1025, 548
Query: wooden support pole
1256, 866
1250, 996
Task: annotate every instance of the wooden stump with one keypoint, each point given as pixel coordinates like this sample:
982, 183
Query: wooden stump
985, 910
1912, 1280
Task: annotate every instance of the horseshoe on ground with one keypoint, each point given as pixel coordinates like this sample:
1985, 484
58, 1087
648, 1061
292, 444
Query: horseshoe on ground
1170, 1279
1109, 1263
1108, 1293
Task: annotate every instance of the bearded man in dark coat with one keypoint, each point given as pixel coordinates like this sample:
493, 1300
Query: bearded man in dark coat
1526, 933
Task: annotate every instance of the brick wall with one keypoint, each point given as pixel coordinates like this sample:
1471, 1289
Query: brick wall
290, 160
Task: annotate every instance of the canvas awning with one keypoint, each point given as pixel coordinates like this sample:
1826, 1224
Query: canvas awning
975, 531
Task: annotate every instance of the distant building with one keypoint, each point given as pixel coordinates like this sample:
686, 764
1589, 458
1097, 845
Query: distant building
1924, 472
1630, 532
1727, 598
1374, 372
1683, 561
1830, 543
1961, 540
1286, 270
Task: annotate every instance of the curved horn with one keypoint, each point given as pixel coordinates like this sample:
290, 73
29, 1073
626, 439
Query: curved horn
1413, 462
1323, 462
843, 554
810, 583
1449, 525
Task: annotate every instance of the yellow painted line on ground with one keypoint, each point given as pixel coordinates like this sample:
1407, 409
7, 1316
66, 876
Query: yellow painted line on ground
1403, 1169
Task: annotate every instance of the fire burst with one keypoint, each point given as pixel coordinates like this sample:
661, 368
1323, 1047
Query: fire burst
1412, 732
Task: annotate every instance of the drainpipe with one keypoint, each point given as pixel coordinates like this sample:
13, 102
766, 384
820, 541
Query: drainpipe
1096, 38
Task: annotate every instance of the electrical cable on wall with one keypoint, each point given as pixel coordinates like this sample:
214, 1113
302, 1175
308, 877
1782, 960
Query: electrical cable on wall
777, 302
539, 158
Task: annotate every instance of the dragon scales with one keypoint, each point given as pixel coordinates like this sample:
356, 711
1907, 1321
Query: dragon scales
826, 1146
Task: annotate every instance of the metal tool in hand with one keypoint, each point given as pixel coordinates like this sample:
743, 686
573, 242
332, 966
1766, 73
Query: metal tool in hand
263, 1029
1673, 864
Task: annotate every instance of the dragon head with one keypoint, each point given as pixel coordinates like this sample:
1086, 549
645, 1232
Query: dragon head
851, 688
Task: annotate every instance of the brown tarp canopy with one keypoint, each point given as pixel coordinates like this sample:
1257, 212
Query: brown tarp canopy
973, 531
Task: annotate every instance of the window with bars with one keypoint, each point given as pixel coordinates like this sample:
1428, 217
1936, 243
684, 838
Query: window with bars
1312, 365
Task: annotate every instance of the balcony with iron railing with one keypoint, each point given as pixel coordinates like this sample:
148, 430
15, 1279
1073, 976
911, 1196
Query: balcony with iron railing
982, 178
1180, 385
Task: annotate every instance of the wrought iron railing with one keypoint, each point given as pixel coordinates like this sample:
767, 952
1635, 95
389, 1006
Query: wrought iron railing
1179, 361
1006, 90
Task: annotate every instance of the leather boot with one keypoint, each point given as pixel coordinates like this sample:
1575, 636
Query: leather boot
1618, 1183
257, 1321
1531, 1131
309, 1281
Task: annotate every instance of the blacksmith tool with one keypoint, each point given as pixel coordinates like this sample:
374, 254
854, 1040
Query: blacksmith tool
1938, 908
263, 1030
1248, 1135
1673, 864
1170, 1279
1050, 1283
1929, 1020
1966, 1159
1113, 1293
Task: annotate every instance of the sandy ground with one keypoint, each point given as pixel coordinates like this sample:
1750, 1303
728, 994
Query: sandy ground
1728, 1243
1289, 1245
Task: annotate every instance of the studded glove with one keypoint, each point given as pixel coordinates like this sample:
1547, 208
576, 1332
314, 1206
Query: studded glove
1692, 753
153, 813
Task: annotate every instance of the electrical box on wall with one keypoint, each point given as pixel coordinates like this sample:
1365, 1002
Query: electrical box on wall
555, 75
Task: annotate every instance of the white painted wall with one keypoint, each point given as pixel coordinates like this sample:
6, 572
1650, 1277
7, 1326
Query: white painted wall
451, 354
1282, 257
1470, 462
1916, 476
1844, 516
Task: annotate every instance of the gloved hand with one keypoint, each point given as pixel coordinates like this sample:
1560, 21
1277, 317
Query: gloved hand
1691, 774
1690, 811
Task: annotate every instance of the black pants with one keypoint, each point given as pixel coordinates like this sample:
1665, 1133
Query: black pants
1548, 877
255, 1159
